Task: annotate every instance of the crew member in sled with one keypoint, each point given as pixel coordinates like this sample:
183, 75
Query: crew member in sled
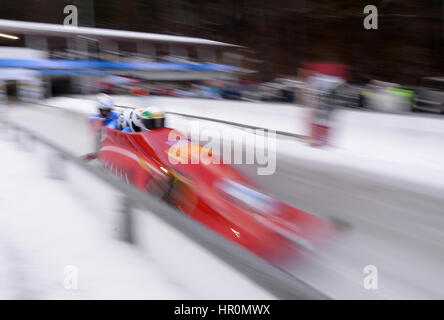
145, 119
106, 114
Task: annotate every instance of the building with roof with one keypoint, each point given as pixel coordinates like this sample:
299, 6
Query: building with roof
67, 55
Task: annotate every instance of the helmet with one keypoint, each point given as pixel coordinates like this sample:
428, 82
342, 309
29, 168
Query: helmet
104, 102
125, 118
135, 123
152, 118
147, 119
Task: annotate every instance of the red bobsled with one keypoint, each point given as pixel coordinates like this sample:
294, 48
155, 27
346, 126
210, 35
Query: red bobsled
216, 195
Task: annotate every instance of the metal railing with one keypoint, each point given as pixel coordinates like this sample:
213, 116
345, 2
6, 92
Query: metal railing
236, 124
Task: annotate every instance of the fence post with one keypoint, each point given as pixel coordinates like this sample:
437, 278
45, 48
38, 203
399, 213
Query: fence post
126, 220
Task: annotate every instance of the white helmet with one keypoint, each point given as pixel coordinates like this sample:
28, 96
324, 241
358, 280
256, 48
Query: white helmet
104, 102
125, 118
135, 123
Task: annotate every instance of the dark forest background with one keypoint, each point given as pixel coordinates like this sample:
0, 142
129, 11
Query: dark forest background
409, 43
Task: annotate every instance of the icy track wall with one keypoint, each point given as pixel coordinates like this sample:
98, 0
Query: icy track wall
398, 148
277, 116
206, 265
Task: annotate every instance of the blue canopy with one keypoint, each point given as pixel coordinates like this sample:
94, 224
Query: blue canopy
110, 65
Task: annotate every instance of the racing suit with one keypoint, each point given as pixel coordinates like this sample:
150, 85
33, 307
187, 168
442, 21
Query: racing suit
112, 121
